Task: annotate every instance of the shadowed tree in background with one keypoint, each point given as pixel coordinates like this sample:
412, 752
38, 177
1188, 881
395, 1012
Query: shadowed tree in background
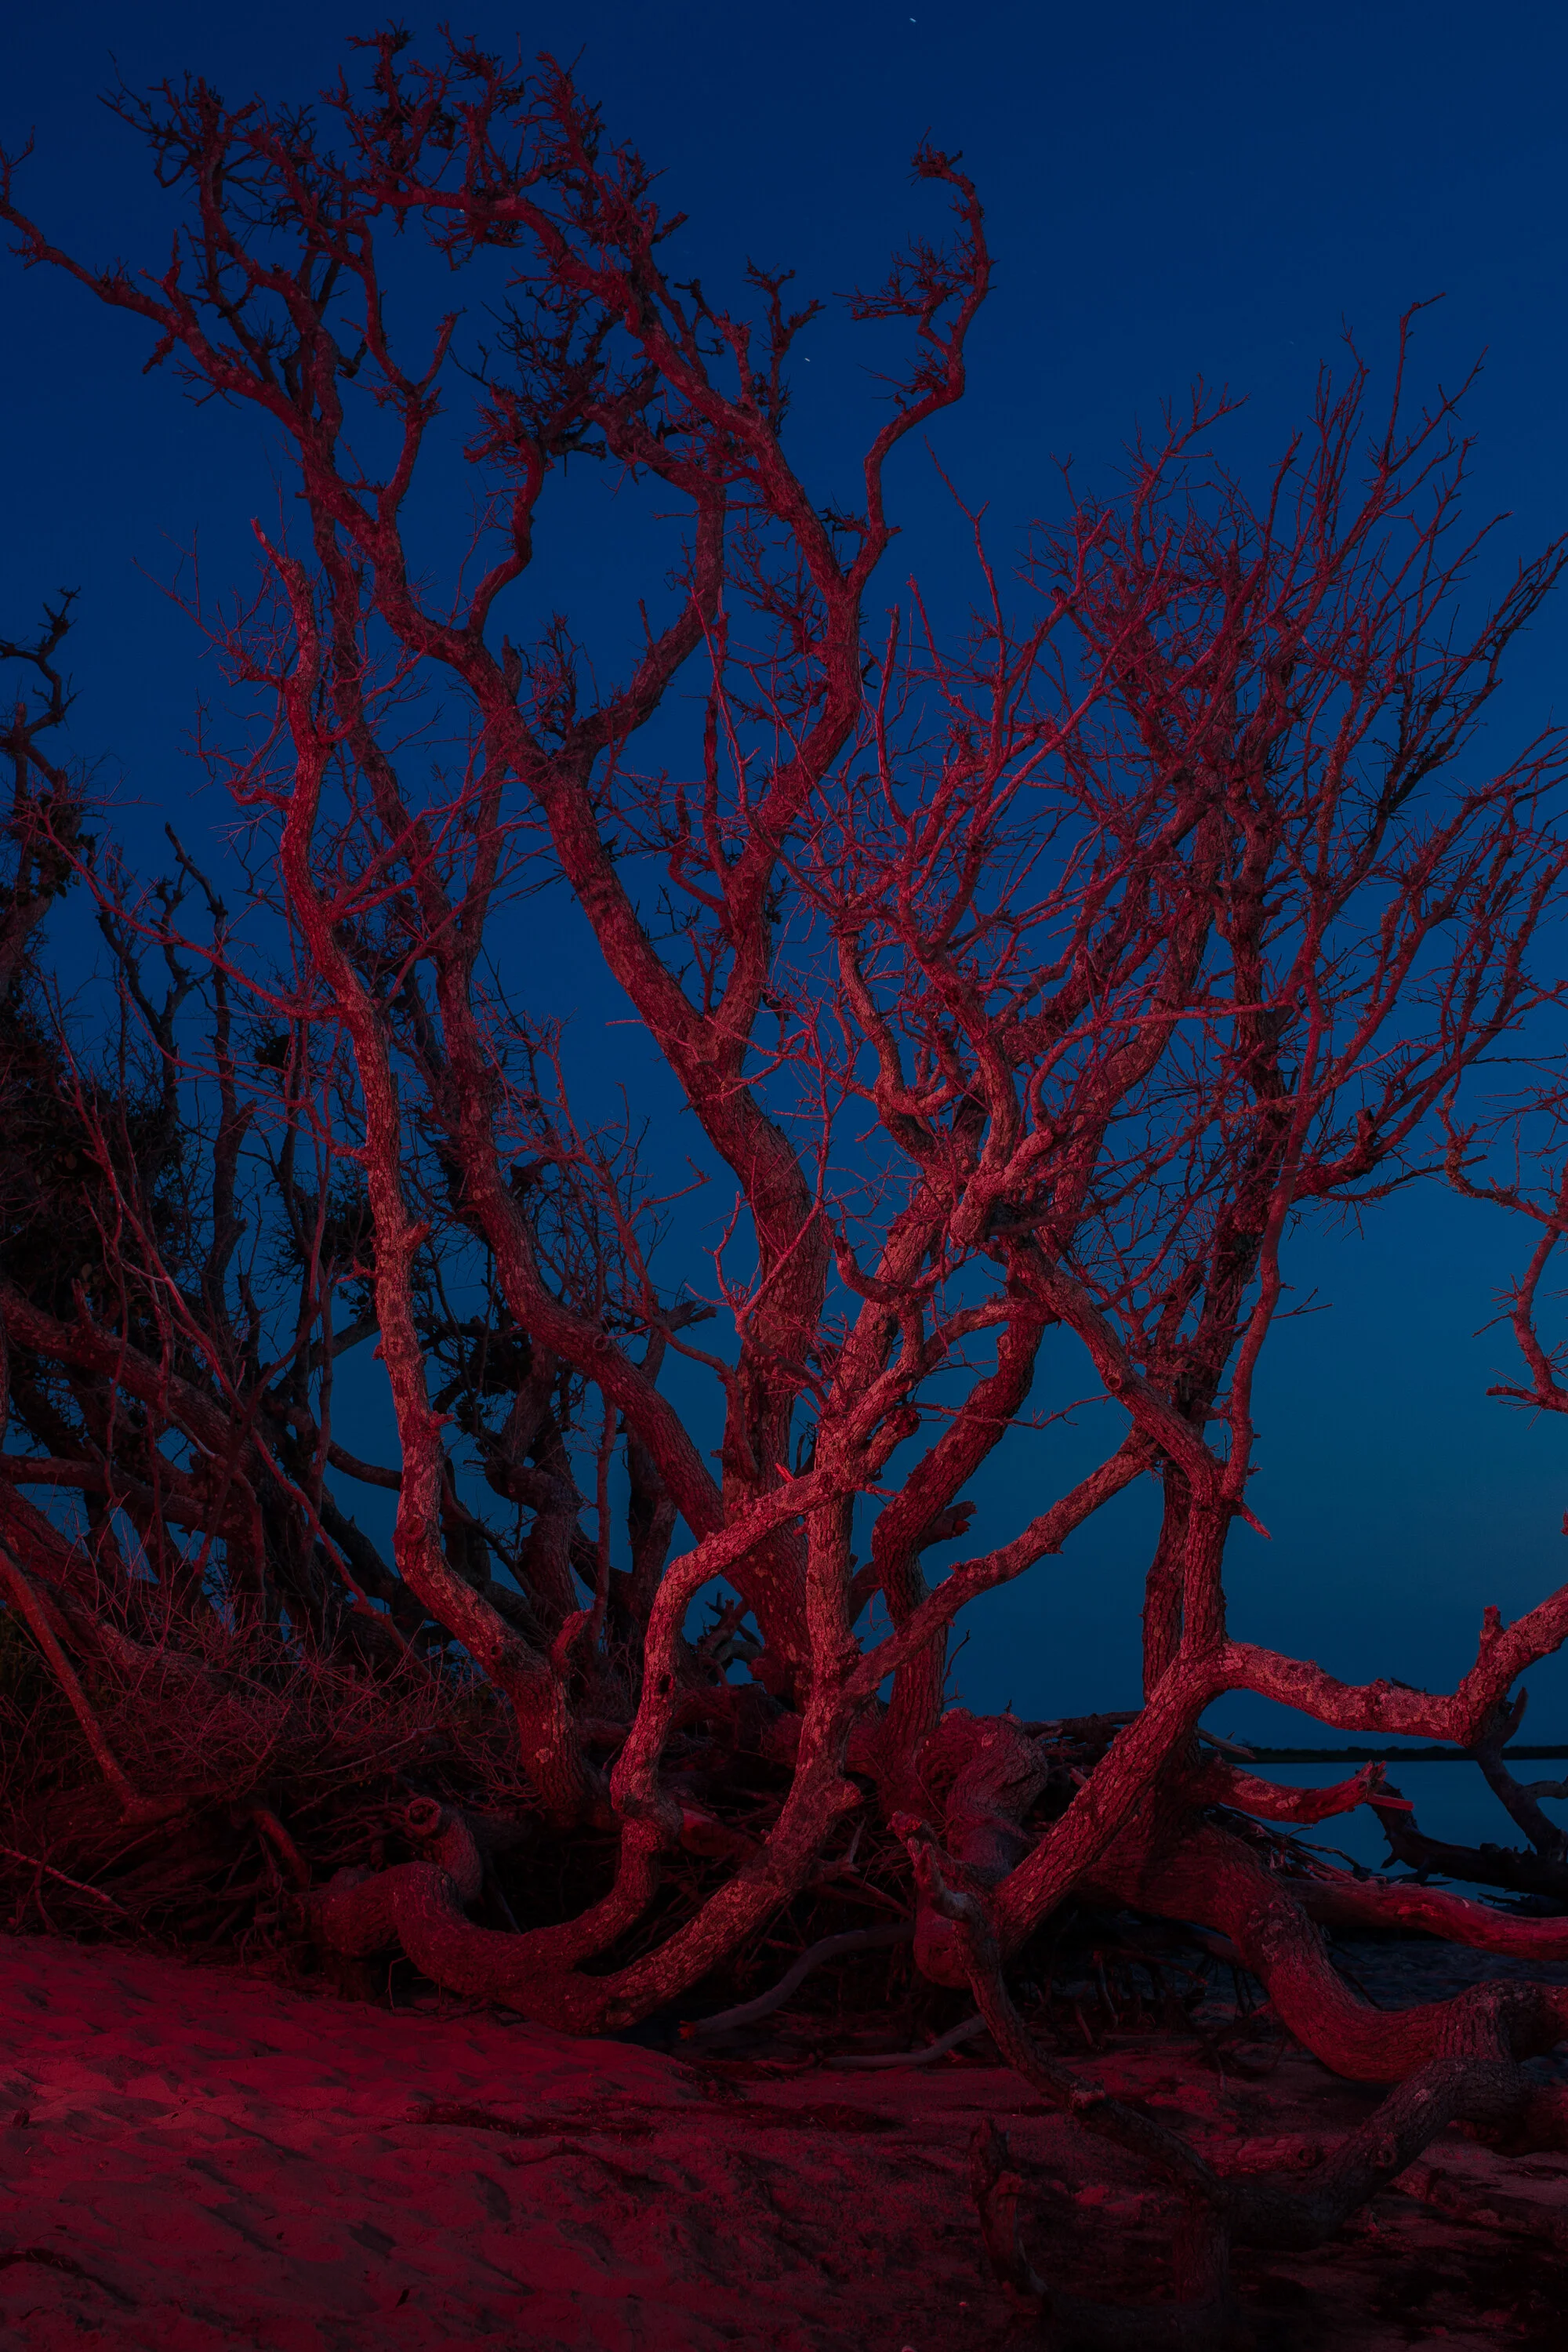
1040, 982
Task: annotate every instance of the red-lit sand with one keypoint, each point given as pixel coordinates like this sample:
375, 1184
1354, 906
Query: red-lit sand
208, 2160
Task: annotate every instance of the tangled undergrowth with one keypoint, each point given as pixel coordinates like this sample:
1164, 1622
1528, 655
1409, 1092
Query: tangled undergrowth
287, 1770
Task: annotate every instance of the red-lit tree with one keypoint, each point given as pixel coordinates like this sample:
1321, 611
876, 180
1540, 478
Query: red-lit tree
1041, 984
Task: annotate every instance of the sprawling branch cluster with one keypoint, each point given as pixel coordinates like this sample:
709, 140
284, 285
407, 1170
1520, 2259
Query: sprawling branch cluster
1040, 985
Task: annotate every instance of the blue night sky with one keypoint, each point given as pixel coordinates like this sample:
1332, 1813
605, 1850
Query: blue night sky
1215, 190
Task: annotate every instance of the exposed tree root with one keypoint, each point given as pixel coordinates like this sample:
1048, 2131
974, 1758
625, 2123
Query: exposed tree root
419, 1906
1338, 1900
1276, 2207
955, 2038
830, 1947
1213, 1876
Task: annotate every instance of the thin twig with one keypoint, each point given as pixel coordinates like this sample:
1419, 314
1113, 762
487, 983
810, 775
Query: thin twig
95, 1891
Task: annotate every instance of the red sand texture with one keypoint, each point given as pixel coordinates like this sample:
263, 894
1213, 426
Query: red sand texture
208, 2160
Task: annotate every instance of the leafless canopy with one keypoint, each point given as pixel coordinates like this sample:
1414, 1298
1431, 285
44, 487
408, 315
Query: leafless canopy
1037, 982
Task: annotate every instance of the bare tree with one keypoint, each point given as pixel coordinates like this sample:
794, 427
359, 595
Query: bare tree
1042, 983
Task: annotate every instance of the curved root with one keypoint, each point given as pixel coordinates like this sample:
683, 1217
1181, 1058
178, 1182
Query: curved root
1337, 1900
1214, 1877
417, 1905
1480, 2085
421, 1905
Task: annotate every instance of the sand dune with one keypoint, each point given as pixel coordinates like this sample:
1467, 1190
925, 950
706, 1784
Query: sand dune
209, 2160
194, 2158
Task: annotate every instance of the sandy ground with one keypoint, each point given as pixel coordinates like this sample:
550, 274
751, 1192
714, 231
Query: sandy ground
193, 2157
